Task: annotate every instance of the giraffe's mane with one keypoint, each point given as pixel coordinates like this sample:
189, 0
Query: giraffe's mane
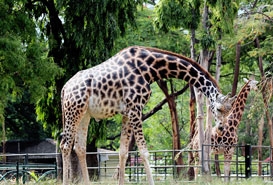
191, 61
238, 96
241, 90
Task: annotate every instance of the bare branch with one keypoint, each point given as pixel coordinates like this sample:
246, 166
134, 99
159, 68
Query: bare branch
159, 106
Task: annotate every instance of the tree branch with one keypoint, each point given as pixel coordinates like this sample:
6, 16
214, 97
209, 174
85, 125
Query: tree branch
159, 106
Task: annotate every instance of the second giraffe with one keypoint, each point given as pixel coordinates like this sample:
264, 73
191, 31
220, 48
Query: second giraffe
223, 140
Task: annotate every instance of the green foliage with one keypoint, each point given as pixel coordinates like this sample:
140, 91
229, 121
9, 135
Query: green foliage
24, 65
38, 37
223, 15
110, 133
177, 14
20, 120
80, 34
207, 41
146, 35
93, 27
248, 27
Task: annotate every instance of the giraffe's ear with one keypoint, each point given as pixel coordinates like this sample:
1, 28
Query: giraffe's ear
245, 80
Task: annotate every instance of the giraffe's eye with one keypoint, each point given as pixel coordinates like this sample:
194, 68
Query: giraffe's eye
219, 110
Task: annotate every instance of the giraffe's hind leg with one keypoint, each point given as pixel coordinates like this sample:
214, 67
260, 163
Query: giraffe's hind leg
70, 128
144, 153
136, 124
126, 132
66, 147
80, 146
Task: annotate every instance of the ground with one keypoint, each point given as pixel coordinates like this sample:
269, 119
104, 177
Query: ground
201, 181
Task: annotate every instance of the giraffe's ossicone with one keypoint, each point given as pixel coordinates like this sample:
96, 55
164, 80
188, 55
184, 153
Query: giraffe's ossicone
121, 85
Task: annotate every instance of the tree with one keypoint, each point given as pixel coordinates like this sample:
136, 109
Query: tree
179, 14
81, 35
24, 66
220, 20
21, 122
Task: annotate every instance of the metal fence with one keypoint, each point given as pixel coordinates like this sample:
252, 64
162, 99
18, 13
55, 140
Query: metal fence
245, 162
24, 167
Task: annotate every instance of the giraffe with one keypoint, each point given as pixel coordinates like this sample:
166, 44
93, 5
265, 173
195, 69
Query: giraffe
121, 85
224, 133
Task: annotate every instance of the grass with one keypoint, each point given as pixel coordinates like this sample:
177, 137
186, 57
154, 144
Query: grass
200, 181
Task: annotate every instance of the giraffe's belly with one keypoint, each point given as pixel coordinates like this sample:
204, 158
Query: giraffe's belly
104, 108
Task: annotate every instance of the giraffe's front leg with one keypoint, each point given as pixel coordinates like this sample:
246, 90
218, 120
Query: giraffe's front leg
227, 167
126, 132
226, 171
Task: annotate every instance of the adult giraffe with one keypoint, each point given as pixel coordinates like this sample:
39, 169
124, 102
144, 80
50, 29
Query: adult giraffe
224, 134
122, 85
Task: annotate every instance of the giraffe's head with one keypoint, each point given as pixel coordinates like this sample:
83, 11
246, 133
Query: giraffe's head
223, 105
252, 84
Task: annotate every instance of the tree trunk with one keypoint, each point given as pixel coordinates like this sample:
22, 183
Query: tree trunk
237, 69
92, 160
270, 128
207, 149
192, 131
192, 110
265, 99
174, 118
218, 61
204, 62
200, 121
193, 44
75, 173
4, 159
260, 142
217, 78
260, 59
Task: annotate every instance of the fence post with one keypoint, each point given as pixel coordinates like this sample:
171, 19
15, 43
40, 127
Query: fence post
56, 170
237, 168
248, 160
271, 163
202, 159
17, 172
23, 170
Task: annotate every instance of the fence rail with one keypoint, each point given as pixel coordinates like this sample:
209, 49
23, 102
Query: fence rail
20, 167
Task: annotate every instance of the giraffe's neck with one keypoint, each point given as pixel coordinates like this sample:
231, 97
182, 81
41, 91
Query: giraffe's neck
236, 113
155, 64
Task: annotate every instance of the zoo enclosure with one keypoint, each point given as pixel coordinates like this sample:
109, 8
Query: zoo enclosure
25, 168
163, 165
245, 164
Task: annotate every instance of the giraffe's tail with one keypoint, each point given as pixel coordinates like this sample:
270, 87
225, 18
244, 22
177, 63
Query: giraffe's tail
63, 117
